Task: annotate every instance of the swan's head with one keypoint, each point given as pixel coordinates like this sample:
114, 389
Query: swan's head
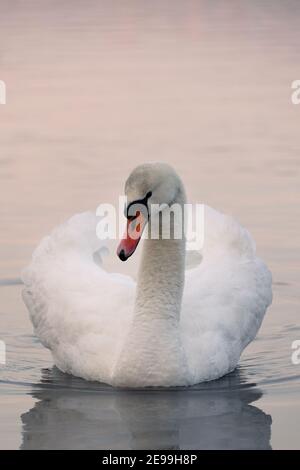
148, 187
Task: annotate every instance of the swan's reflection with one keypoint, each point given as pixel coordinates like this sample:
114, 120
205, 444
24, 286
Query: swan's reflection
73, 414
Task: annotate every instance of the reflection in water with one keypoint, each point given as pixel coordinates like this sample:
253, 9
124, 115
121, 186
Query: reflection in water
215, 415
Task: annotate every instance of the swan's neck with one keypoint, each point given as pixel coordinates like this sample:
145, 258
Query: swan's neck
160, 280
161, 274
152, 353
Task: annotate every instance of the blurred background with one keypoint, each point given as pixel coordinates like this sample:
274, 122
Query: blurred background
96, 87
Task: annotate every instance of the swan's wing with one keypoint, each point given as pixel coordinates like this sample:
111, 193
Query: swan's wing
225, 298
79, 311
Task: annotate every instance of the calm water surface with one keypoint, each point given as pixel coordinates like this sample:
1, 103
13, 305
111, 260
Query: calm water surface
97, 87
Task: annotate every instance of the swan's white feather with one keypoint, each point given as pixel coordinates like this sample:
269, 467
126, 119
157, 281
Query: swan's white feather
225, 298
79, 311
82, 313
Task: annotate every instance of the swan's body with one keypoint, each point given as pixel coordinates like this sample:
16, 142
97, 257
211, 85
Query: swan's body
162, 332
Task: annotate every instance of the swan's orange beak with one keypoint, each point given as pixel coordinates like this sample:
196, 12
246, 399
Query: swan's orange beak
133, 233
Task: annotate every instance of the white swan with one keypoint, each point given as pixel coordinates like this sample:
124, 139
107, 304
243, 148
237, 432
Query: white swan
170, 335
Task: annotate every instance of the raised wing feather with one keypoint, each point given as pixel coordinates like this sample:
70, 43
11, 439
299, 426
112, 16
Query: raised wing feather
79, 311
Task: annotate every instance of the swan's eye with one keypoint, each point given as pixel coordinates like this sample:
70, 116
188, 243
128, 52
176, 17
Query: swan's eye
131, 218
143, 203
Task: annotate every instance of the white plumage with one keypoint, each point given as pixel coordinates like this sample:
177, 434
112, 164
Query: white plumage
90, 321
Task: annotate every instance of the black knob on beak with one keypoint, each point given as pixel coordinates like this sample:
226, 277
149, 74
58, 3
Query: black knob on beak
122, 255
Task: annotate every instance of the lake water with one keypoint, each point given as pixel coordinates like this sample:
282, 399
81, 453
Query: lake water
94, 88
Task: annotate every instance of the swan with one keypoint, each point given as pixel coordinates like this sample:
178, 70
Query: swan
173, 327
